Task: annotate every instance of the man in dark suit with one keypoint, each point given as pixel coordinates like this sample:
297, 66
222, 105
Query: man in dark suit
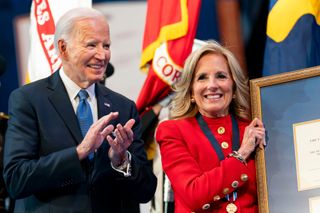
50, 164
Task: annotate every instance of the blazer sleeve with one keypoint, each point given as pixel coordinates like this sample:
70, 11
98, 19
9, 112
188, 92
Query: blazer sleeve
194, 186
26, 172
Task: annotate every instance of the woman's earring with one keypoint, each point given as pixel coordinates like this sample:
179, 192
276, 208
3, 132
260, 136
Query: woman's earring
192, 100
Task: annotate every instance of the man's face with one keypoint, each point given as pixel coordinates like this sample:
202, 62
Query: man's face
87, 52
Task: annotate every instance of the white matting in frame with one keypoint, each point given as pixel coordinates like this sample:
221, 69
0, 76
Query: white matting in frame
307, 153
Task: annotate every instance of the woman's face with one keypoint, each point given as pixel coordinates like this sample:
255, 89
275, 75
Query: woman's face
212, 86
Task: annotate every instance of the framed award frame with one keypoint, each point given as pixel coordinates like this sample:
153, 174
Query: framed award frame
288, 170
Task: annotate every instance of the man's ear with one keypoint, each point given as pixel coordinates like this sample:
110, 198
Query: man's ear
62, 45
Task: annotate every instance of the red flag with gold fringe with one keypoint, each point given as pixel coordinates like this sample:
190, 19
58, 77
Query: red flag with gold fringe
170, 30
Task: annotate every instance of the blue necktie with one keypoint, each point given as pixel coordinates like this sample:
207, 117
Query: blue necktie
84, 115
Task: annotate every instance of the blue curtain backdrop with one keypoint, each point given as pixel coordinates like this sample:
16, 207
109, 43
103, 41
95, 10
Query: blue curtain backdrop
301, 47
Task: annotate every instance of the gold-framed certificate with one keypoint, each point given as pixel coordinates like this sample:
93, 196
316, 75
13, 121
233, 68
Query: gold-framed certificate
288, 169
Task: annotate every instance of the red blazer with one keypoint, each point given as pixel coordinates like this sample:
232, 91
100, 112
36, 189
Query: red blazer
199, 180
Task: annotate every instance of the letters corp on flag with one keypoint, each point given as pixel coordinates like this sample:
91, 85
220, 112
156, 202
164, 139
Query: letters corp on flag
293, 36
43, 60
168, 39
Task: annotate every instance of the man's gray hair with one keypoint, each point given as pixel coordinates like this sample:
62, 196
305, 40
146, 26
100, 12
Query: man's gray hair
67, 22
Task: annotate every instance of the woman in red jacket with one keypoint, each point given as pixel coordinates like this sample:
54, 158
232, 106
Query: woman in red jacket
207, 148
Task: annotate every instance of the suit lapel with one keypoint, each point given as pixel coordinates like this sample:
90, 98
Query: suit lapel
103, 103
104, 108
61, 102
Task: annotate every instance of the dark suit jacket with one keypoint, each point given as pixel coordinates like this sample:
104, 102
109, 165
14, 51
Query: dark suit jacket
41, 167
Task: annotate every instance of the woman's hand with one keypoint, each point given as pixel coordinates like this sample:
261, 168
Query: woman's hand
254, 135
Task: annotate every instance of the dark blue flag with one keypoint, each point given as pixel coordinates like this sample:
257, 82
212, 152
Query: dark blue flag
293, 36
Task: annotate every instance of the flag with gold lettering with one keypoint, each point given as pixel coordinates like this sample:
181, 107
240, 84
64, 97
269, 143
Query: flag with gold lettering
168, 39
43, 60
293, 36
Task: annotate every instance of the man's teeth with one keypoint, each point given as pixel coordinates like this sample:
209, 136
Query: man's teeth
95, 66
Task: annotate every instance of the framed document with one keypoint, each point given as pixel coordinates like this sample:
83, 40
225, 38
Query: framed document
288, 170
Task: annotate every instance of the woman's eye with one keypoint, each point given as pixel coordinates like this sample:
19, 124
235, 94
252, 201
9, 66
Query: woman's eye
221, 75
106, 46
201, 77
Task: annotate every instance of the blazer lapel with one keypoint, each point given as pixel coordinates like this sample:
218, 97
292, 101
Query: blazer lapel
61, 102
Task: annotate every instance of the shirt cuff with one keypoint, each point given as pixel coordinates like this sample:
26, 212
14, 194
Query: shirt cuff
125, 167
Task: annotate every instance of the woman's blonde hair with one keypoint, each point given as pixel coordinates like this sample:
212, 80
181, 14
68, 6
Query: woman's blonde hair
182, 106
